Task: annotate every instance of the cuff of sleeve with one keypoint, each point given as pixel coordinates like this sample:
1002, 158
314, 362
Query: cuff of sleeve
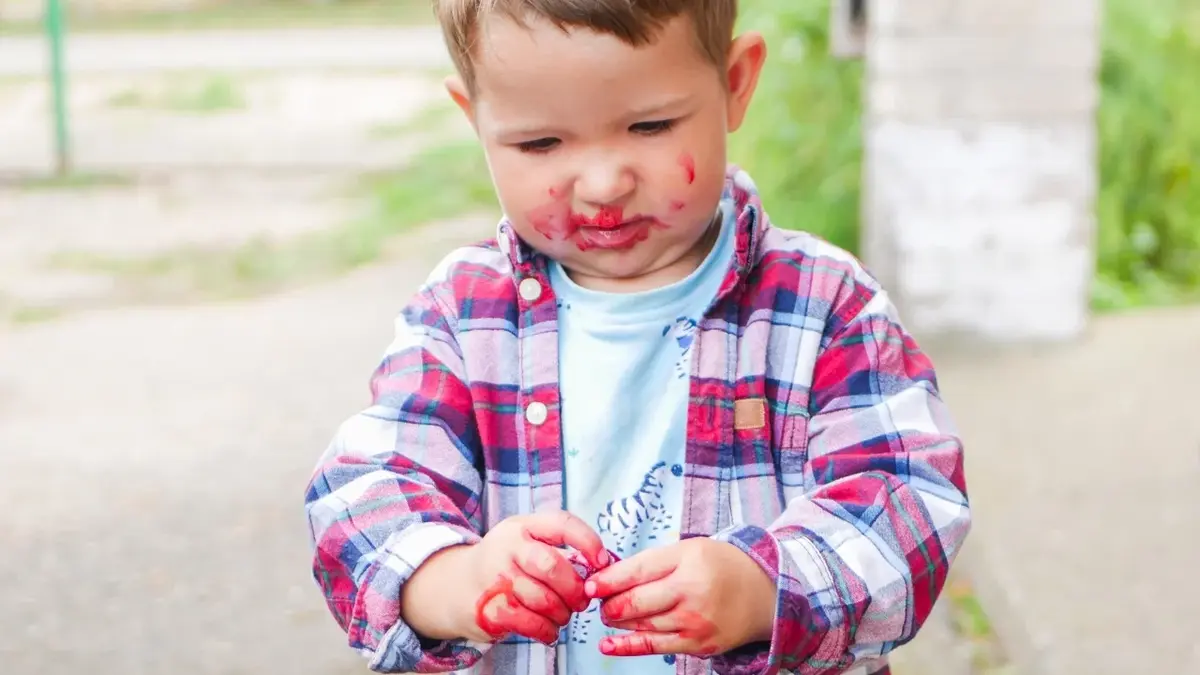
391, 645
800, 637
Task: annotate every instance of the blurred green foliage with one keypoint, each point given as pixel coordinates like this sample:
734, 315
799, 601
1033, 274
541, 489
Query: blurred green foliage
802, 141
1149, 123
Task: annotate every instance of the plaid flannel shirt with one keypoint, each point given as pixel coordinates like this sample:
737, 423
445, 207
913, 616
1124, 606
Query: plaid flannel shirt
846, 486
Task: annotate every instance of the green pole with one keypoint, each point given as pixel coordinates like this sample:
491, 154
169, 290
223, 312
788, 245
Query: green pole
55, 25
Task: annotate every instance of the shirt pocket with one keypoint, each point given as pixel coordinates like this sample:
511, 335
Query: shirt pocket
753, 495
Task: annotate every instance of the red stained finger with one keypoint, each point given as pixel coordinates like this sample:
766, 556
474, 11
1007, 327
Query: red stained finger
647, 643
679, 632
642, 568
641, 644
552, 569
564, 529
639, 602
539, 599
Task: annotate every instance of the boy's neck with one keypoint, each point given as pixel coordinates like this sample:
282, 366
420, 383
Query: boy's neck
664, 276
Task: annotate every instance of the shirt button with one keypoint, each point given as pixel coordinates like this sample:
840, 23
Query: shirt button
536, 413
530, 289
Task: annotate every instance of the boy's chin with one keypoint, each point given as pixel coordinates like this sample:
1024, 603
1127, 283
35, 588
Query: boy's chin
624, 271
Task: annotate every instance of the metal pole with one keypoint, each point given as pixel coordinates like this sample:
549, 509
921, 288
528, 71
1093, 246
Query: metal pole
55, 27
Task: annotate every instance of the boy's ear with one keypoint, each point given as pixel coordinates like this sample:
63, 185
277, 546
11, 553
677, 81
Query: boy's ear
746, 57
461, 97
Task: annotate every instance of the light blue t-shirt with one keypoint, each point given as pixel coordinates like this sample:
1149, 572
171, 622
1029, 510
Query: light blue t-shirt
624, 378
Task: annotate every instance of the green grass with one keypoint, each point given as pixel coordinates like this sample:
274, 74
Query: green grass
80, 180
441, 182
209, 94
246, 14
971, 623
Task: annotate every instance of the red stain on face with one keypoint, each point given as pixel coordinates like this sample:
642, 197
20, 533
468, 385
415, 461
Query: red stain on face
608, 228
689, 167
677, 205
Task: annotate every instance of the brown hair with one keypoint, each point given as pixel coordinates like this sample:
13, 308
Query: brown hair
634, 22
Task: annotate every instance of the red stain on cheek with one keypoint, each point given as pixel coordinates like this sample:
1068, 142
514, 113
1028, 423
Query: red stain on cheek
689, 167
677, 205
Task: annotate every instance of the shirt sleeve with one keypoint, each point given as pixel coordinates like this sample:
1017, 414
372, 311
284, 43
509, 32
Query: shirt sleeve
860, 558
399, 482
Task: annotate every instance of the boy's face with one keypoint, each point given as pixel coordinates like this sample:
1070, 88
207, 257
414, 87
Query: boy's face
606, 157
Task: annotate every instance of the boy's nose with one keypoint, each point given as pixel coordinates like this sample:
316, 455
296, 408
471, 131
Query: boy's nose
604, 184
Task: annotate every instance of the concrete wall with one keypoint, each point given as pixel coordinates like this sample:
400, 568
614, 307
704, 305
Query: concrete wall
980, 170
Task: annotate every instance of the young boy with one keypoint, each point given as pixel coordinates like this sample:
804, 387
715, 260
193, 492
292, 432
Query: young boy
642, 431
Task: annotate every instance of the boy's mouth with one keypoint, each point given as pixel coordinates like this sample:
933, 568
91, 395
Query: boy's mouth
623, 235
607, 229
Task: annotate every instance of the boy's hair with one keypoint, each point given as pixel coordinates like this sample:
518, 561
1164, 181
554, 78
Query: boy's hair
634, 22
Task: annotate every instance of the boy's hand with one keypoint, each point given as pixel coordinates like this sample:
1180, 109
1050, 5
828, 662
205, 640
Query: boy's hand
700, 597
523, 581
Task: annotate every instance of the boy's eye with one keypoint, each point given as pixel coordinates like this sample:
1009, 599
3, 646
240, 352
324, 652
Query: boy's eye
651, 128
540, 145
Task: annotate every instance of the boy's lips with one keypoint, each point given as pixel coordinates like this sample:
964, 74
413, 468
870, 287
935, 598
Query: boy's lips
615, 237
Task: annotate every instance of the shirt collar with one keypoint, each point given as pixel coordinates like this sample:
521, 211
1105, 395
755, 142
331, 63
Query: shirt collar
751, 223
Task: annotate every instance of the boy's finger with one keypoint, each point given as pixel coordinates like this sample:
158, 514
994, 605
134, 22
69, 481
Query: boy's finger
564, 529
500, 617
540, 599
642, 568
550, 567
643, 644
640, 602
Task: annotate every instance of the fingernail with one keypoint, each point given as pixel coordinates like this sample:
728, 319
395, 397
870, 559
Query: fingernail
590, 589
604, 559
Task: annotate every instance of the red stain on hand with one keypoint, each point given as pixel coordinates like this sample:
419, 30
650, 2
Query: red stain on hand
698, 630
689, 167
695, 630
634, 644
509, 617
502, 587
617, 608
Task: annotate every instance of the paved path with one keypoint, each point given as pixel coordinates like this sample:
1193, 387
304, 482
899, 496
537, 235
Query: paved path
153, 466
418, 47
1084, 470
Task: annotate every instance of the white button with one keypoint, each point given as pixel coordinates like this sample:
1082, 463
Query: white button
530, 290
535, 413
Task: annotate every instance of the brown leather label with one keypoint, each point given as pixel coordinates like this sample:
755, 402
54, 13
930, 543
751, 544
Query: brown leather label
749, 413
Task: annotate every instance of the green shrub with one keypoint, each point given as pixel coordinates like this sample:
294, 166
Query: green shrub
803, 142
1149, 126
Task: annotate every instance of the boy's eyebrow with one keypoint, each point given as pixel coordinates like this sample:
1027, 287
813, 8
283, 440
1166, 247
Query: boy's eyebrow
661, 106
